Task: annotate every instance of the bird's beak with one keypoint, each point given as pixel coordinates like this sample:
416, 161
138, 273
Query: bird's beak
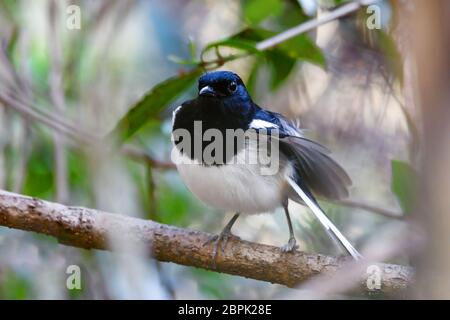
207, 92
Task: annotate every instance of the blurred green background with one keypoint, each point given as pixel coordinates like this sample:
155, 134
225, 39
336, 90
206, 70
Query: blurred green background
341, 80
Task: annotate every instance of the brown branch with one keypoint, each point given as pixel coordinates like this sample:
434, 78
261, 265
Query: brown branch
89, 229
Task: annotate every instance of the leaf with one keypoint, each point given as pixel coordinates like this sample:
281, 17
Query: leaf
292, 15
12, 43
393, 56
303, 48
256, 11
152, 104
404, 184
252, 78
39, 178
234, 42
300, 47
10, 9
281, 66
282, 58
14, 286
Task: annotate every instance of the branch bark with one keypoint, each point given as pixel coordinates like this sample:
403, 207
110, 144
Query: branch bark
90, 229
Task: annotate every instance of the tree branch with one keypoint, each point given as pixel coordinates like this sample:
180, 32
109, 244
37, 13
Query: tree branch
309, 25
90, 229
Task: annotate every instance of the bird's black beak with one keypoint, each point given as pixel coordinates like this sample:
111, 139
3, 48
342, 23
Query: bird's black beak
207, 92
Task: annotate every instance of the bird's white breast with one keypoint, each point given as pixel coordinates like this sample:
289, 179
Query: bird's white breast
237, 187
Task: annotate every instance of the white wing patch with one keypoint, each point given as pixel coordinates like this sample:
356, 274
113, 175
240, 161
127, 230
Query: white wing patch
286, 126
262, 124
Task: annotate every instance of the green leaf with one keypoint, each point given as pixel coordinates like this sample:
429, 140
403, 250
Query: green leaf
404, 184
235, 42
10, 9
303, 48
12, 43
392, 55
251, 81
300, 47
282, 58
13, 286
39, 179
281, 66
152, 104
292, 15
256, 11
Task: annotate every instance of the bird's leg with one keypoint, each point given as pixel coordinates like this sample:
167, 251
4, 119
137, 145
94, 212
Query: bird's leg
222, 237
292, 243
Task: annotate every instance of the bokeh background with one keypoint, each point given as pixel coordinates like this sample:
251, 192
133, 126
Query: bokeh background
351, 88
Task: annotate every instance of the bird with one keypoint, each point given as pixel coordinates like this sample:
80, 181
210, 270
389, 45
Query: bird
227, 180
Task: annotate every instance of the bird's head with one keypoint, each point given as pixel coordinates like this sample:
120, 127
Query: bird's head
224, 86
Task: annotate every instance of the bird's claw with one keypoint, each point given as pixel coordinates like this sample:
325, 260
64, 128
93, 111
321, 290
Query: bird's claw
217, 239
211, 239
290, 246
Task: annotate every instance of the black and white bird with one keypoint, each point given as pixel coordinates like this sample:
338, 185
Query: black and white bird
305, 168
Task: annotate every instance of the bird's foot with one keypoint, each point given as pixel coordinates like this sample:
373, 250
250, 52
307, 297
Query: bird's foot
290, 246
219, 239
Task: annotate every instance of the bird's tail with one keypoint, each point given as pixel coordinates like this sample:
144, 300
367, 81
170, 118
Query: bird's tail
327, 224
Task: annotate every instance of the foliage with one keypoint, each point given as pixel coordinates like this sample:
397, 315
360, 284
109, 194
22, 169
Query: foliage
149, 107
91, 76
404, 184
281, 60
14, 286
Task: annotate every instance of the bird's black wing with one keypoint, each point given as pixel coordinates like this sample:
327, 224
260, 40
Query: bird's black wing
316, 174
314, 167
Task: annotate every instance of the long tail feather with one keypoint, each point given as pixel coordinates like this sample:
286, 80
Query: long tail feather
328, 225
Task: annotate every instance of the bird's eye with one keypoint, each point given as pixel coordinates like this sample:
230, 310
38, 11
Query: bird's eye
232, 87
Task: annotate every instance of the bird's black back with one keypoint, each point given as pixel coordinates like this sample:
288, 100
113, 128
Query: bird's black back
314, 169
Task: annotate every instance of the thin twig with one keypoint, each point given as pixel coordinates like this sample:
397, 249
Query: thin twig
359, 205
288, 34
23, 77
23, 142
314, 23
3, 130
33, 115
55, 117
57, 97
142, 156
79, 137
